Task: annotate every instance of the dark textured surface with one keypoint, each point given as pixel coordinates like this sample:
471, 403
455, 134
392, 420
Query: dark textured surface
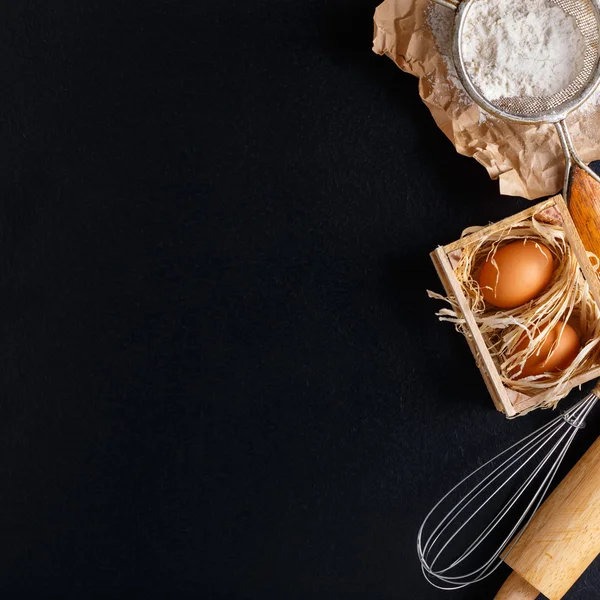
221, 376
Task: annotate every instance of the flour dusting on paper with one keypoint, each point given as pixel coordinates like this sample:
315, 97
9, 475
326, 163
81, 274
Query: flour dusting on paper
441, 22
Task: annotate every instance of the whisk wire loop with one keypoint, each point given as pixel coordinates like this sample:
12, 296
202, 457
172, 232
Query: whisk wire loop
536, 456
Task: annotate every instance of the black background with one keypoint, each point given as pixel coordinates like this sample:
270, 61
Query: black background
221, 375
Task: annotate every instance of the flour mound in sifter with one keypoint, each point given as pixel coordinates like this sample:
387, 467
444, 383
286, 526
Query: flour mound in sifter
521, 48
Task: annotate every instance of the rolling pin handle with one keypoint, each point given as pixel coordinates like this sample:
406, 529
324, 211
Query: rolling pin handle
516, 588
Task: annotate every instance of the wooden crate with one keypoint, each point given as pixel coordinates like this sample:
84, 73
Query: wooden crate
506, 400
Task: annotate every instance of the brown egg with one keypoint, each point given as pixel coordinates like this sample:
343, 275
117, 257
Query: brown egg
516, 273
547, 361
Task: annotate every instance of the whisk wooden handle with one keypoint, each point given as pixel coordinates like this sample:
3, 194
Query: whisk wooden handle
516, 588
584, 206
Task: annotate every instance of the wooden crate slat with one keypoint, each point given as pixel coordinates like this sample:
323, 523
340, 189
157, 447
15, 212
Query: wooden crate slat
484, 354
470, 340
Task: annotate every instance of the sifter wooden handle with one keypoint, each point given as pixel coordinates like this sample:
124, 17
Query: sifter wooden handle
516, 588
563, 537
584, 206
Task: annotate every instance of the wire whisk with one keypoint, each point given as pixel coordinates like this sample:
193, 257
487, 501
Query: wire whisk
530, 466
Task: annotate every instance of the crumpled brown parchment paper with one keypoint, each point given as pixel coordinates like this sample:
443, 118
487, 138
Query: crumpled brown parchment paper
527, 159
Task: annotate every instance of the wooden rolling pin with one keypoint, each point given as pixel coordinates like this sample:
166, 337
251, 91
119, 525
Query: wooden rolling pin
563, 537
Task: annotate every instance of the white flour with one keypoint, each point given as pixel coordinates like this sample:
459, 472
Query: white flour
514, 48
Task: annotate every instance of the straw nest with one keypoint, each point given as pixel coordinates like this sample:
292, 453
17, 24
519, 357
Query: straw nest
567, 298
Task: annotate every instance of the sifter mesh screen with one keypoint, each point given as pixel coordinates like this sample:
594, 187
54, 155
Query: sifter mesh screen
527, 106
